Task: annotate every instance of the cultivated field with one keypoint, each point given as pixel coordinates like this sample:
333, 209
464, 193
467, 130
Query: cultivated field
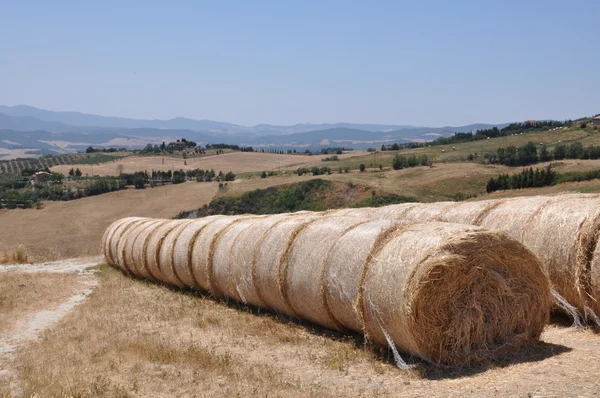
74, 228
238, 162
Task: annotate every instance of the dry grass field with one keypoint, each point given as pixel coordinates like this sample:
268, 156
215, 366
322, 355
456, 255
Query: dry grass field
74, 228
136, 338
238, 162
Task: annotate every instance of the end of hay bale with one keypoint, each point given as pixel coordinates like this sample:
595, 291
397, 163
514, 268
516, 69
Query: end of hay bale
480, 299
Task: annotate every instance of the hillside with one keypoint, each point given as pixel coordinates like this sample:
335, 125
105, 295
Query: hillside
46, 132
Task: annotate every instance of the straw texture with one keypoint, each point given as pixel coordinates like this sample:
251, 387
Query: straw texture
166, 257
241, 265
454, 294
117, 229
222, 279
182, 250
449, 293
202, 249
344, 269
271, 260
304, 286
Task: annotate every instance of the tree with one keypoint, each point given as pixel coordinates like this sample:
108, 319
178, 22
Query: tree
544, 154
72, 172
575, 151
263, 174
362, 167
230, 176
89, 150
138, 183
560, 152
77, 172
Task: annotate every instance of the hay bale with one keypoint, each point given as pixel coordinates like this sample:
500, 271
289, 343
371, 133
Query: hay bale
182, 250
360, 212
304, 288
593, 295
393, 212
562, 233
116, 229
120, 240
454, 294
154, 247
512, 215
470, 212
139, 250
425, 211
106, 238
220, 276
202, 251
344, 270
449, 293
125, 255
271, 260
241, 263
166, 257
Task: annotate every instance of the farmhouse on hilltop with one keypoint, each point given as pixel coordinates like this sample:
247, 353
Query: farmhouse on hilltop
596, 121
41, 176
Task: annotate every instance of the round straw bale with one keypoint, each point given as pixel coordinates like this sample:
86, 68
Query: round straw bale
139, 249
512, 215
271, 260
182, 250
304, 289
426, 211
393, 212
106, 237
118, 227
454, 294
126, 246
360, 212
593, 298
155, 245
202, 248
344, 269
563, 236
166, 258
243, 251
470, 212
220, 277
119, 242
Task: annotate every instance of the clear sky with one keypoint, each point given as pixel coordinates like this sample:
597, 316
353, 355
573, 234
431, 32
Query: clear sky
283, 62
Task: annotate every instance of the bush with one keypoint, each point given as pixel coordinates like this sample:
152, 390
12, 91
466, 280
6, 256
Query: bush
583, 125
362, 167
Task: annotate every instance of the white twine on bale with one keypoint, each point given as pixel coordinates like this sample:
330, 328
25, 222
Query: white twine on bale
569, 309
590, 312
400, 362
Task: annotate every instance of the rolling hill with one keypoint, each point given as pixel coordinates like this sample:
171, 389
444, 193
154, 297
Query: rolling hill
41, 132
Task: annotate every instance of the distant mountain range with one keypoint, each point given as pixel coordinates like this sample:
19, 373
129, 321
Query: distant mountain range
48, 132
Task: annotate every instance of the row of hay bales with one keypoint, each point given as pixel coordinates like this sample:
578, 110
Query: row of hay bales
562, 231
448, 293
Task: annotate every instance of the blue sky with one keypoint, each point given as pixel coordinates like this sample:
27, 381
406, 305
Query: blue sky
404, 62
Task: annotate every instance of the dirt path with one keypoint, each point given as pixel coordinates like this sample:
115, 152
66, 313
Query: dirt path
32, 324
68, 266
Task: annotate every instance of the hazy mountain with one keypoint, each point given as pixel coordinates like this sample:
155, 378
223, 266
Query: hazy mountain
86, 120
77, 119
24, 127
